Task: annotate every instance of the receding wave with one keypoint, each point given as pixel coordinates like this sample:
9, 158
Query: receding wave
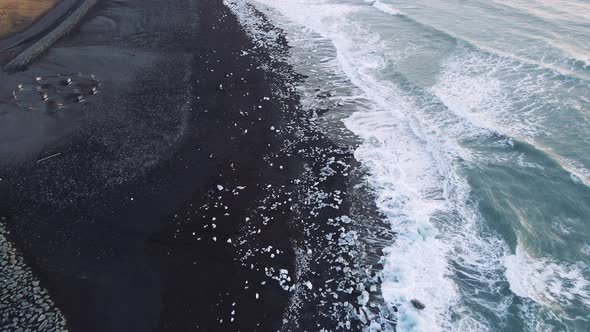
388, 9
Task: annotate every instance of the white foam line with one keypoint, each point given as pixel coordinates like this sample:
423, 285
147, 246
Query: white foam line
387, 9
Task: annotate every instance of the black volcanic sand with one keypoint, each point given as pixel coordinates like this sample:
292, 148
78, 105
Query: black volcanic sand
178, 193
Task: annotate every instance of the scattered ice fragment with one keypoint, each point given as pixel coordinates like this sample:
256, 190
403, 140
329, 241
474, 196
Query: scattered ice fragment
219, 187
363, 298
308, 284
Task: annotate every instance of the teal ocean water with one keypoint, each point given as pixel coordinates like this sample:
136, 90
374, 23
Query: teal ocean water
474, 117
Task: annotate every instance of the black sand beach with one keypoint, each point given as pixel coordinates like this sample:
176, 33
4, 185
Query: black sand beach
174, 199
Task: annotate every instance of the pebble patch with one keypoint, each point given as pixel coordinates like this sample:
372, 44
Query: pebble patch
24, 305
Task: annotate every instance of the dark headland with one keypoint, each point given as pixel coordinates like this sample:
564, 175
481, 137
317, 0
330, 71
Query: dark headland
138, 156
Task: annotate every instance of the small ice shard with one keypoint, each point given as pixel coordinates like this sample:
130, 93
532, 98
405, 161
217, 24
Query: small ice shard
308, 284
215, 238
363, 298
219, 187
272, 127
257, 296
228, 240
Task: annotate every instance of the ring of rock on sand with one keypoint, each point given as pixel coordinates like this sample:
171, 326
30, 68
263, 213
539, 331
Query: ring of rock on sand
55, 92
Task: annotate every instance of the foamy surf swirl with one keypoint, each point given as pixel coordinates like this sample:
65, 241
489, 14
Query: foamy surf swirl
405, 180
546, 282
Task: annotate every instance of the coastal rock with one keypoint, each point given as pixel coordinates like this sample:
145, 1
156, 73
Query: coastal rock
417, 304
